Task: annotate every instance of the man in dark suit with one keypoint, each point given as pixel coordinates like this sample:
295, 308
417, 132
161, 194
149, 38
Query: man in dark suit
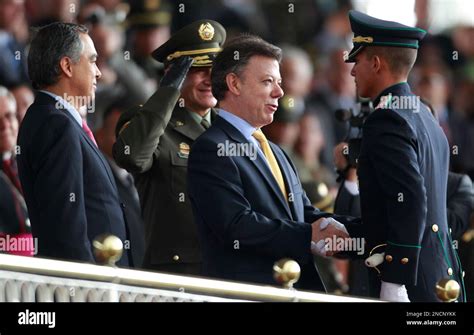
247, 199
69, 189
402, 167
153, 143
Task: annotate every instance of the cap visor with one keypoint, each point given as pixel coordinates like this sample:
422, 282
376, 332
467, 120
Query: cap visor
351, 57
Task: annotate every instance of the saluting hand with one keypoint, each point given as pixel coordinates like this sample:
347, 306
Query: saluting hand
176, 72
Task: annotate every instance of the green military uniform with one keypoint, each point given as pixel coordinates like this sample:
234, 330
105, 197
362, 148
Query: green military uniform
154, 141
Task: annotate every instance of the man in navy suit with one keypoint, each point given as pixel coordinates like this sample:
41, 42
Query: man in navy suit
69, 189
247, 199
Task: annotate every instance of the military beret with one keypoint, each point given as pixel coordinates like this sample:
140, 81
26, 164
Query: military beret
202, 40
370, 31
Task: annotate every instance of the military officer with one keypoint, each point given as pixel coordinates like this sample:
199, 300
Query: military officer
154, 140
402, 167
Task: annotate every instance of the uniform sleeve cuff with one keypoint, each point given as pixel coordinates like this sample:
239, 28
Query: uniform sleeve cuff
401, 264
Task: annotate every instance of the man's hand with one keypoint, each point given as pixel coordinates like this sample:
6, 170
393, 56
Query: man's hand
326, 228
176, 73
341, 161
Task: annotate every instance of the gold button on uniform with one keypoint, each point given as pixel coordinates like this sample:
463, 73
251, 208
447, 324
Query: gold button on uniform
450, 271
404, 260
434, 228
389, 258
176, 258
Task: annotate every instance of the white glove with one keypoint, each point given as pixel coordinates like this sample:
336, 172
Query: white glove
318, 248
393, 292
327, 221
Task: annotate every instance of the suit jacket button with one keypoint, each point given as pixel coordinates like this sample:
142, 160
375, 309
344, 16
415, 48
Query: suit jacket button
404, 260
175, 258
450, 271
463, 274
434, 228
450, 231
389, 258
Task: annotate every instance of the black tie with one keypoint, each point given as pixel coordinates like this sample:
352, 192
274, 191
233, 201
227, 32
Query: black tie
205, 123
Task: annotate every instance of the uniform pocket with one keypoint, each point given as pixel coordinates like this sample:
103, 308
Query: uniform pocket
179, 167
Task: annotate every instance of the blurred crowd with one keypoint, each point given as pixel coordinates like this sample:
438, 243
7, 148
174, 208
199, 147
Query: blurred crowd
314, 36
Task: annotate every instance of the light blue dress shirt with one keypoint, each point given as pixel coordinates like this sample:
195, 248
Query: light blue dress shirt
75, 114
243, 127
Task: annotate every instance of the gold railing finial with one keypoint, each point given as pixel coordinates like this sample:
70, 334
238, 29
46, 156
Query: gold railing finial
107, 249
286, 272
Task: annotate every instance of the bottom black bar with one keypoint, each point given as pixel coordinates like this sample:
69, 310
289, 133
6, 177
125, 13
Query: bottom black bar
327, 318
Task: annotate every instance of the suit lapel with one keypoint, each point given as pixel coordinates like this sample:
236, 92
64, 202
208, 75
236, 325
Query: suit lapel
267, 174
101, 158
92, 145
260, 164
214, 115
285, 170
184, 124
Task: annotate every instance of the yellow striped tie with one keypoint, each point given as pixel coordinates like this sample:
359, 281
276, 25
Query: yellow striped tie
272, 162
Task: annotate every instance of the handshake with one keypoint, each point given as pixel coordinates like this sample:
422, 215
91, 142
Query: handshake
324, 232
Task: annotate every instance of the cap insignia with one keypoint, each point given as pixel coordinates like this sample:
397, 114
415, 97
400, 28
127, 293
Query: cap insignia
206, 31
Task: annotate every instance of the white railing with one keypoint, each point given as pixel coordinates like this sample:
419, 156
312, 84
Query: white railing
26, 279
21, 287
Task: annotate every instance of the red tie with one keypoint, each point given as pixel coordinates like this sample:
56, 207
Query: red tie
88, 131
10, 169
